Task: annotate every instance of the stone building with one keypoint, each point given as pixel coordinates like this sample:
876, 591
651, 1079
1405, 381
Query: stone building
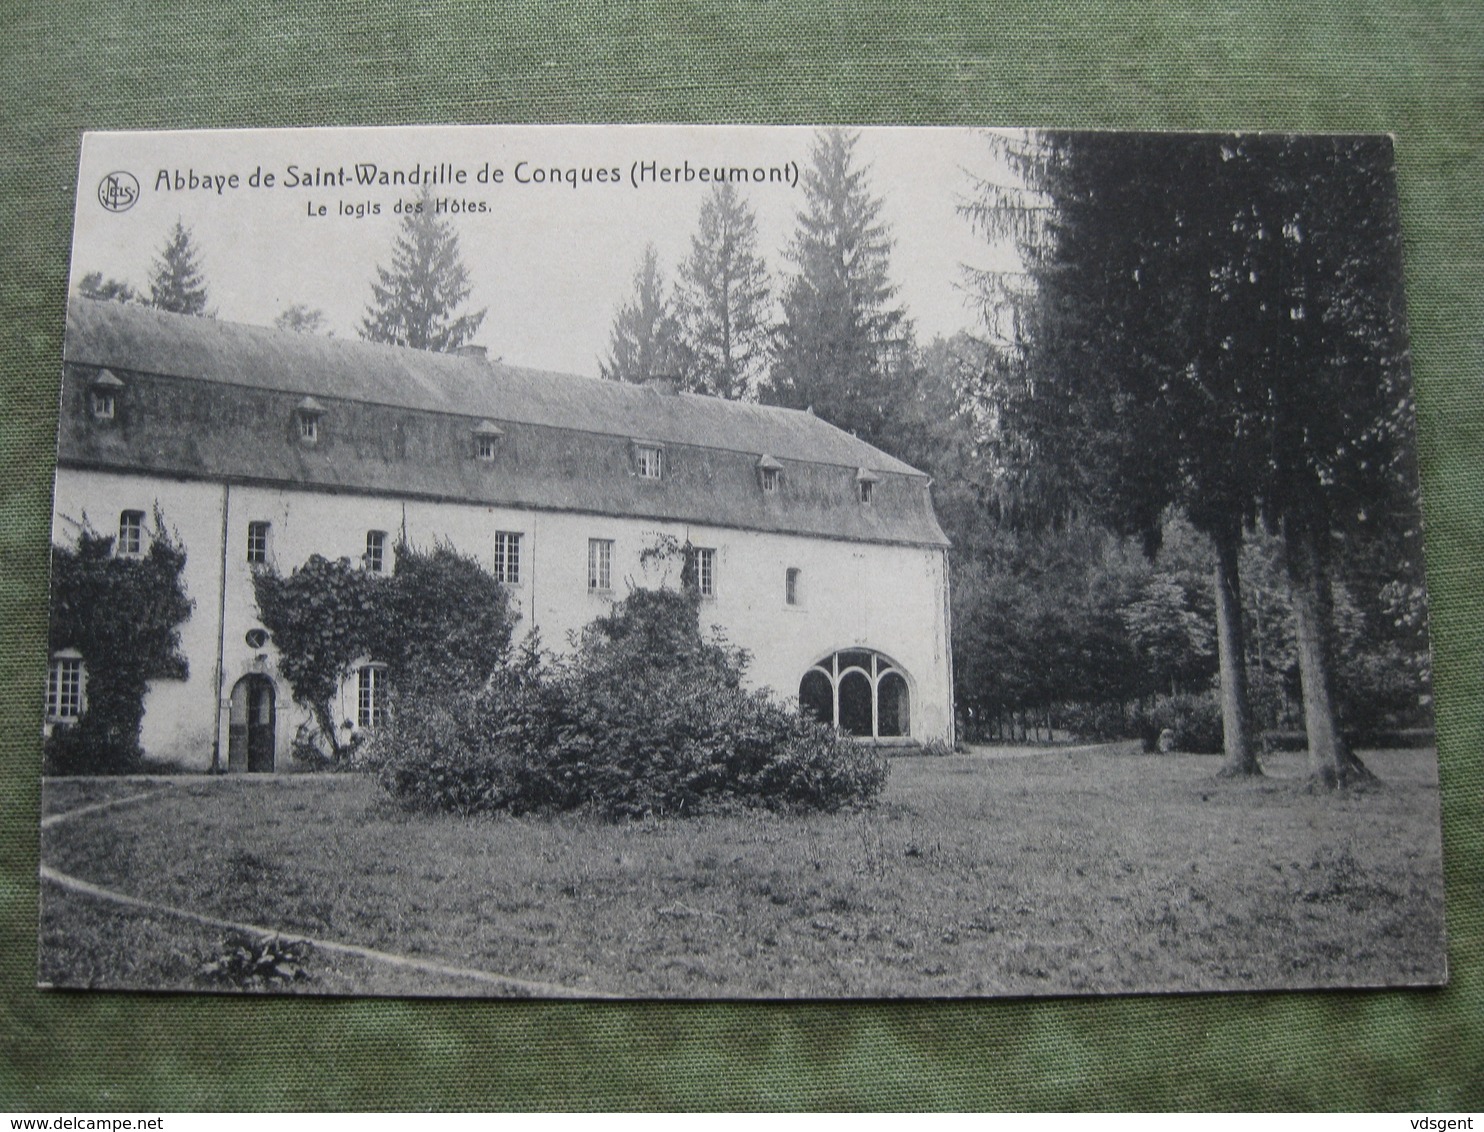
816, 552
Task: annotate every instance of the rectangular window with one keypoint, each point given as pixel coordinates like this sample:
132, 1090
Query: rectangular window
64, 689
599, 564
770, 479
103, 404
650, 461
866, 487
706, 571
375, 551
131, 532
257, 543
308, 428
791, 586
507, 557
486, 446
370, 696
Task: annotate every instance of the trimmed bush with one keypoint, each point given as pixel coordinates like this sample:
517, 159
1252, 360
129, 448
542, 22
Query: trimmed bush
649, 717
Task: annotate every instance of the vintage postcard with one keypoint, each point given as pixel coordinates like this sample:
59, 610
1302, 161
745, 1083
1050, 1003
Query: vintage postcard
737, 562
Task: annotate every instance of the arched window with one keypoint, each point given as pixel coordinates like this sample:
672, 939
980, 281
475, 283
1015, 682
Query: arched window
859, 691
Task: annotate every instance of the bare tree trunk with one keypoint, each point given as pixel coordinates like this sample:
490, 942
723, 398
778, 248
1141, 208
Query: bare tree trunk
1331, 762
1236, 731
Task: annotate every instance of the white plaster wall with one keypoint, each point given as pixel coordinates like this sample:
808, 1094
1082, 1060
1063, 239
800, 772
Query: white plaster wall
888, 598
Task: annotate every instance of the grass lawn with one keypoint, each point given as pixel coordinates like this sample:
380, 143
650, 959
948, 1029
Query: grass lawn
1060, 872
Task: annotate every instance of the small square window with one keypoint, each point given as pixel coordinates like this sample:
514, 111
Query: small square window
507, 557
599, 564
649, 461
64, 689
131, 533
104, 404
257, 543
770, 479
791, 586
370, 696
375, 558
486, 446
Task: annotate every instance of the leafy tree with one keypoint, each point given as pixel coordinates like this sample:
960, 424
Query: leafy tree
1171, 619
722, 299
1112, 351
94, 286
440, 623
123, 616
301, 318
176, 283
449, 622
841, 337
323, 617
417, 299
1039, 623
1215, 324
645, 341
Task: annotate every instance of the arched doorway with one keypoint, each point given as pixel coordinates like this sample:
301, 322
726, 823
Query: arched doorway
250, 734
859, 691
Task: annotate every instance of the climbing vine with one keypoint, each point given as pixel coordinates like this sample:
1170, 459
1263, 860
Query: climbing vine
122, 614
440, 623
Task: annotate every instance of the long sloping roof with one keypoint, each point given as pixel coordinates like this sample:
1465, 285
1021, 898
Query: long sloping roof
151, 341
221, 394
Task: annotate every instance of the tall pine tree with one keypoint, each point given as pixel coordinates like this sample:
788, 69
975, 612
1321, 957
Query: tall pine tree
722, 299
416, 301
645, 340
176, 283
1215, 324
841, 344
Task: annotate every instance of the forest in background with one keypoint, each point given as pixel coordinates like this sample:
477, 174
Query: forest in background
1174, 455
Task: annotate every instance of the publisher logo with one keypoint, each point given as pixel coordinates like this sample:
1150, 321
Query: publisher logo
117, 192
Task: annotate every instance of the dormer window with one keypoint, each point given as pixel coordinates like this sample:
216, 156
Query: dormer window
865, 485
103, 396
769, 474
307, 415
487, 436
649, 461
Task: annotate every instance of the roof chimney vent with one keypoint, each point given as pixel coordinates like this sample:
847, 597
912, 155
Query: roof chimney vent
471, 351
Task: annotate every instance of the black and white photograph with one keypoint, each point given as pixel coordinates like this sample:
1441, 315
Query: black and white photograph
722, 562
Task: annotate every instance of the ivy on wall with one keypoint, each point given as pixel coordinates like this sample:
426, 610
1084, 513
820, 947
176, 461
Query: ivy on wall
122, 614
440, 623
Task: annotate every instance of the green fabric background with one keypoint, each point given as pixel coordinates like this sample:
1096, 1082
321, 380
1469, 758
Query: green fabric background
1414, 69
